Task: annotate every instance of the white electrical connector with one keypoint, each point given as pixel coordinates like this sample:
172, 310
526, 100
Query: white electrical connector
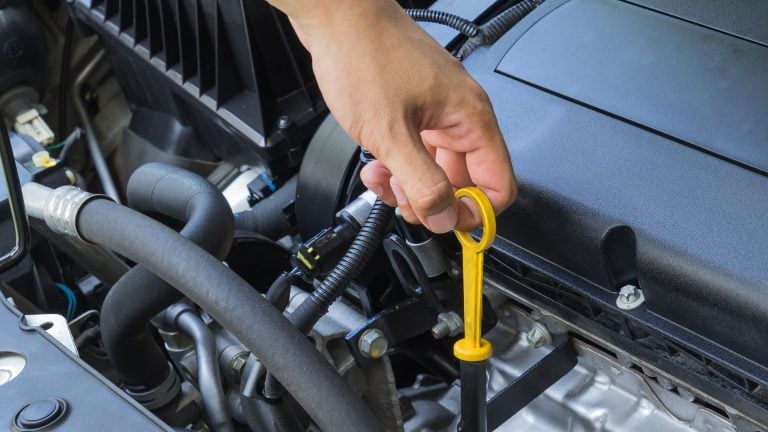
31, 123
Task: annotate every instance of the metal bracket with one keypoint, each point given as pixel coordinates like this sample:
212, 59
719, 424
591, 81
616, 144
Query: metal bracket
532, 383
401, 322
55, 325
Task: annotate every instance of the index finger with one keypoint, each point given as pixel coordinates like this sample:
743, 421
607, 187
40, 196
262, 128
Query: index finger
490, 169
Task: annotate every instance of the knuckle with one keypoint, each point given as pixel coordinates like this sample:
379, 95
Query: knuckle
432, 198
511, 194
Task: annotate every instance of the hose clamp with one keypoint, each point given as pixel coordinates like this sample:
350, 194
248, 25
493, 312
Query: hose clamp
63, 207
159, 396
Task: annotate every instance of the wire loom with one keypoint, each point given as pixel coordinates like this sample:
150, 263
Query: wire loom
478, 35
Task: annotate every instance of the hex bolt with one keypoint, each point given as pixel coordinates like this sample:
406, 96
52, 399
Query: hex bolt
538, 336
237, 364
448, 324
373, 344
624, 360
665, 383
630, 297
685, 394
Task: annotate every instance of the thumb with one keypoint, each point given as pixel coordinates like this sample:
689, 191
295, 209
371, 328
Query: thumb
428, 192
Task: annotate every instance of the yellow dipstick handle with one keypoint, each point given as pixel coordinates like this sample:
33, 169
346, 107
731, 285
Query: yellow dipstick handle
473, 348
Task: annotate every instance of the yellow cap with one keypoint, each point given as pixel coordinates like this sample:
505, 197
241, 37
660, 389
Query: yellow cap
43, 159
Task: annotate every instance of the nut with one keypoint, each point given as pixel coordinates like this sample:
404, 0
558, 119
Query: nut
373, 344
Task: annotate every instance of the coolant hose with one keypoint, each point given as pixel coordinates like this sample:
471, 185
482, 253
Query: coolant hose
140, 294
231, 301
268, 217
208, 377
315, 306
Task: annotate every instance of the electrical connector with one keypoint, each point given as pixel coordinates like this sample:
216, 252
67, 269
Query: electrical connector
31, 123
324, 246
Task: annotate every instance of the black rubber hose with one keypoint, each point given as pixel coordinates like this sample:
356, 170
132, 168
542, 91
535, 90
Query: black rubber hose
140, 295
462, 25
99, 262
315, 306
280, 291
268, 217
208, 376
235, 305
494, 29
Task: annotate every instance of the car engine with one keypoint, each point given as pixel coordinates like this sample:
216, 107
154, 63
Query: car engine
203, 255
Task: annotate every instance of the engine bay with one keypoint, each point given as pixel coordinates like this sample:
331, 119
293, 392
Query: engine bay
204, 256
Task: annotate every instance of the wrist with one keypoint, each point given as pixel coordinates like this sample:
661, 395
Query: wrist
327, 20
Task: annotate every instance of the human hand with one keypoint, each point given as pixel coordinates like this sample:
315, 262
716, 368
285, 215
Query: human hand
399, 94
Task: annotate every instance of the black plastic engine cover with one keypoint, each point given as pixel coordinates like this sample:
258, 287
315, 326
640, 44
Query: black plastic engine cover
233, 71
652, 117
49, 371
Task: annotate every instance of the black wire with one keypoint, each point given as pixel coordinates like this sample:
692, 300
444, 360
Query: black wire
15, 202
491, 31
66, 59
462, 25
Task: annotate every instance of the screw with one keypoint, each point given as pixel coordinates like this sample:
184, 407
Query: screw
538, 336
448, 324
283, 122
440, 330
630, 297
373, 344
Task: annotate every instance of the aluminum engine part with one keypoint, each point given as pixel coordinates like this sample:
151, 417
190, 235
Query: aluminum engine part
374, 381
599, 394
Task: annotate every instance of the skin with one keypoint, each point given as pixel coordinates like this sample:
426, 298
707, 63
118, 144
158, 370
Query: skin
399, 94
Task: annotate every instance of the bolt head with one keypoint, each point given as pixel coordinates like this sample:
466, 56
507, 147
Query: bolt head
373, 344
630, 297
237, 365
538, 336
535, 337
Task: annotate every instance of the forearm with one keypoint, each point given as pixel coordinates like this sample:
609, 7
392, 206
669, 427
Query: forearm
317, 21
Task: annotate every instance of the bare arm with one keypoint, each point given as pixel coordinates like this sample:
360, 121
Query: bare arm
399, 94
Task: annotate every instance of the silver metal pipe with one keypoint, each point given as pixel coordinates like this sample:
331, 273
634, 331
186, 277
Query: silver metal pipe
99, 163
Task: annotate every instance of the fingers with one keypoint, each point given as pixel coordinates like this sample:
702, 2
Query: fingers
420, 186
490, 169
455, 166
375, 176
486, 165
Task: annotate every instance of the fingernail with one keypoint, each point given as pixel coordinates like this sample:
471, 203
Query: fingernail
443, 221
400, 195
376, 189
